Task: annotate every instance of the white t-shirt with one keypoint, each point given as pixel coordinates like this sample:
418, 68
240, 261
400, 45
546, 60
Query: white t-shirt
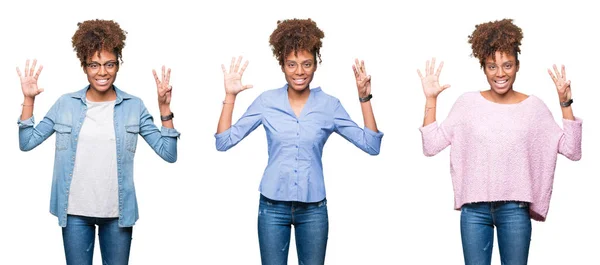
94, 188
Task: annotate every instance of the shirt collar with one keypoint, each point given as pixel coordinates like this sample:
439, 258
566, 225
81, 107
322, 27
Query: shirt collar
121, 95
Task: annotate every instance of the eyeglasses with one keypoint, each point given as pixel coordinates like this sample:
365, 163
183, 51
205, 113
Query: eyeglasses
292, 66
108, 66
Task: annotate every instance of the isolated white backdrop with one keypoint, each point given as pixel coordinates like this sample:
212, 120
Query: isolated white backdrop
395, 208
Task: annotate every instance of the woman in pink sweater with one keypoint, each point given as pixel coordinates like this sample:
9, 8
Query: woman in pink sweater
504, 146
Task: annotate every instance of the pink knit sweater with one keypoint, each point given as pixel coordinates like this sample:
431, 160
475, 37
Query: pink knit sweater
503, 152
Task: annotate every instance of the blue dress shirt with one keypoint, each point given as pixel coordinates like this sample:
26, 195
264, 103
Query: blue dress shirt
295, 170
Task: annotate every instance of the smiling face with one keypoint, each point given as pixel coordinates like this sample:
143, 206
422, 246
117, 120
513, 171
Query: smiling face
299, 69
501, 72
101, 71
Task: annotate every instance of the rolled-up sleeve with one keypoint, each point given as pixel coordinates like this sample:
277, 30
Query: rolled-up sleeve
163, 141
249, 121
363, 138
570, 142
434, 139
31, 136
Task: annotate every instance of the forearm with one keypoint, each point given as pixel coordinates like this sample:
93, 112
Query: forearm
368, 116
165, 110
226, 113
430, 107
567, 113
27, 108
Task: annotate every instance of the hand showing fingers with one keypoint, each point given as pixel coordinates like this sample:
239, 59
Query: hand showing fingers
233, 77
430, 81
163, 87
29, 79
363, 81
563, 86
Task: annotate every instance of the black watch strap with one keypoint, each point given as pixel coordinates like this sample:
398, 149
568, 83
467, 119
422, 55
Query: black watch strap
566, 103
168, 117
365, 99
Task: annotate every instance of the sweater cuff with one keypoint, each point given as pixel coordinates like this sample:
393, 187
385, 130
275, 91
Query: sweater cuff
429, 128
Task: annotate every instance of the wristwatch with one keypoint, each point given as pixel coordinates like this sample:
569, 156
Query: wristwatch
566, 103
167, 118
365, 99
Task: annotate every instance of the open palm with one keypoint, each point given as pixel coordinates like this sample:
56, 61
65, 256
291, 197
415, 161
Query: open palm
430, 81
233, 78
29, 80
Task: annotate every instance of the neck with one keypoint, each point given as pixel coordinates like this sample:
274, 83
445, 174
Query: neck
295, 95
97, 96
507, 98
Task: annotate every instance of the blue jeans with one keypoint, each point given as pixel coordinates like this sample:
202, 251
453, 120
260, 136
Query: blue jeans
477, 222
311, 226
79, 238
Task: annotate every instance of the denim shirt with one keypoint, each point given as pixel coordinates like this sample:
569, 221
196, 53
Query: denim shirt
295, 143
66, 118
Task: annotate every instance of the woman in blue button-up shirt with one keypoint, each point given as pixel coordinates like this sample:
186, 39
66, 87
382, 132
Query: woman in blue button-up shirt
96, 135
298, 120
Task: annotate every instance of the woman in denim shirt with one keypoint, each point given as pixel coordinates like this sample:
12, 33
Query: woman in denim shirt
96, 136
298, 120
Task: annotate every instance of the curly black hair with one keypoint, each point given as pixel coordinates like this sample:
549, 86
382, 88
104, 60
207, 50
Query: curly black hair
296, 35
490, 37
97, 35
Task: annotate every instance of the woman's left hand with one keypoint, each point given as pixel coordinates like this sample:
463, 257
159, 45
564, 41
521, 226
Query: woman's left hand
563, 86
363, 81
163, 88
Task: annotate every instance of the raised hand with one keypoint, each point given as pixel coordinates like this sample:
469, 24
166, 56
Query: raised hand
563, 86
162, 86
363, 81
233, 78
29, 80
430, 82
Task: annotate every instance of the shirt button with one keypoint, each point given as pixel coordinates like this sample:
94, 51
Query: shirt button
296, 171
296, 146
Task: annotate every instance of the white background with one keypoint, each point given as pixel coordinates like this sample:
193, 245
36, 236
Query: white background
395, 208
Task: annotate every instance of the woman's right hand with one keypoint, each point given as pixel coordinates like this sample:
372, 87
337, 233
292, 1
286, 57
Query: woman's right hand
430, 82
233, 78
29, 80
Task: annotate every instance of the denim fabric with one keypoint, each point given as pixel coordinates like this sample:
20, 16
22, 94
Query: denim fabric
311, 227
79, 239
65, 118
513, 225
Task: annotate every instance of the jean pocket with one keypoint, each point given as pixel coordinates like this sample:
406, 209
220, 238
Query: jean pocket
131, 135
63, 136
